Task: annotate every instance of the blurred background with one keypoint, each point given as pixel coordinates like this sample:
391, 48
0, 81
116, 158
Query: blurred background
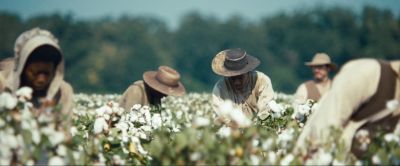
108, 45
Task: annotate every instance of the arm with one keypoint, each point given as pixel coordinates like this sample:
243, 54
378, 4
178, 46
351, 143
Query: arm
265, 93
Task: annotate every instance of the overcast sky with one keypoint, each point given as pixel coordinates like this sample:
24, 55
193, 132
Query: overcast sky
172, 10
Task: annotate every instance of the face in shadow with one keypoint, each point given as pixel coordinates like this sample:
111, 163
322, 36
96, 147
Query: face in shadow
239, 82
153, 95
38, 75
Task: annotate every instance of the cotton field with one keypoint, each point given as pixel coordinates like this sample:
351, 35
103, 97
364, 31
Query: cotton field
183, 130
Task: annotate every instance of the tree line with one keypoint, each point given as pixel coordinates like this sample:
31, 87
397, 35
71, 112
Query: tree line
107, 55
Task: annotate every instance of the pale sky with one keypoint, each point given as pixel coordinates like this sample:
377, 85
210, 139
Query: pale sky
171, 11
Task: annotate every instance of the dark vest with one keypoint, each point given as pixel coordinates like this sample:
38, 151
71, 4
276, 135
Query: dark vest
385, 92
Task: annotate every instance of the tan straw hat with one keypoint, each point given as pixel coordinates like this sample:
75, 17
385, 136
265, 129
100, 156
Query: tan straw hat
233, 62
321, 59
165, 80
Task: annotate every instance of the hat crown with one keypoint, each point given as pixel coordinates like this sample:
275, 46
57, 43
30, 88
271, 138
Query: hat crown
168, 76
235, 59
321, 58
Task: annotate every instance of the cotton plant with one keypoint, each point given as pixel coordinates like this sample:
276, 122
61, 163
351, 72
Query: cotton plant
183, 130
27, 135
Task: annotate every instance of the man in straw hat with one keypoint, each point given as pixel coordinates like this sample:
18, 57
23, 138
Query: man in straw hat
321, 65
365, 95
248, 89
38, 63
155, 85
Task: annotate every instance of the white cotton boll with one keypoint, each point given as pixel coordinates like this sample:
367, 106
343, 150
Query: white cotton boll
195, 156
255, 142
12, 141
76, 155
62, 150
267, 144
99, 125
142, 120
287, 159
262, 115
275, 107
133, 117
35, 136
240, 118
124, 136
324, 158
376, 160
254, 160
225, 108
179, 114
117, 160
392, 105
24, 93
358, 163
224, 132
362, 133
100, 111
285, 136
7, 101
28, 163
107, 117
56, 160
122, 126
5, 161
73, 131
303, 109
147, 117
391, 138
146, 128
337, 162
142, 135
141, 149
57, 138
120, 111
200, 122
156, 121
272, 158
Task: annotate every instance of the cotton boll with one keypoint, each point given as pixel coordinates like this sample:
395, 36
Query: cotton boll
224, 132
57, 138
287, 159
24, 93
7, 101
56, 160
272, 158
391, 138
376, 160
392, 105
156, 121
99, 125
61, 150
200, 122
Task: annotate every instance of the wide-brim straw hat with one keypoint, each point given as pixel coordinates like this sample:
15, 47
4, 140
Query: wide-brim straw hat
166, 80
233, 62
321, 59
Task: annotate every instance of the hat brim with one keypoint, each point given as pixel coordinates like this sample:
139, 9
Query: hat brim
330, 65
150, 78
219, 68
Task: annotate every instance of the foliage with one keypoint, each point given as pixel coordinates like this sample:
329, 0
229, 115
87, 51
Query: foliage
107, 55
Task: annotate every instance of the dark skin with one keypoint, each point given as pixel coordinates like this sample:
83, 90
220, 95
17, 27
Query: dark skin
153, 95
239, 82
38, 76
